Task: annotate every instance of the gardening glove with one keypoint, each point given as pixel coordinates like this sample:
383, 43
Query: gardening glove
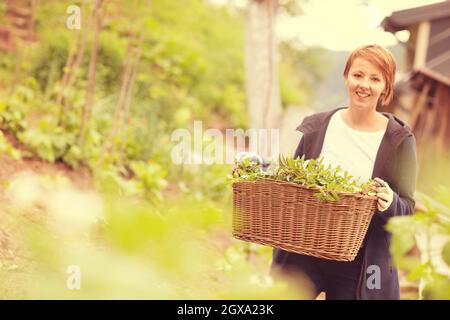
252, 156
254, 159
384, 193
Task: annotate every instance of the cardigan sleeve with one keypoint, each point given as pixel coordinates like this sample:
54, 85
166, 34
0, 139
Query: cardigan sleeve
299, 152
404, 183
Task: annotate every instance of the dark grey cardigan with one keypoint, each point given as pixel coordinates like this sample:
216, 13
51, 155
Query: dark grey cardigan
396, 164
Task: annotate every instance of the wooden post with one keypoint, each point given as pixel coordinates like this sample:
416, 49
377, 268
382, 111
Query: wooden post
129, 97
91, 74
444, 103
68, 77
420, 105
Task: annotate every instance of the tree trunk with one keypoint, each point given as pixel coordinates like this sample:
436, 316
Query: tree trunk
262, 86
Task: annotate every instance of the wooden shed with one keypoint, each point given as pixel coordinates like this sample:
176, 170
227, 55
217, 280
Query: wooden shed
422, 96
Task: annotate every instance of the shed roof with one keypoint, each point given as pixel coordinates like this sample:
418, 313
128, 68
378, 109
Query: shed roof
437, 65
400, 20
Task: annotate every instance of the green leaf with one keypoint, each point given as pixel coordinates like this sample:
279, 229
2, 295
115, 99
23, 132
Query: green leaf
446, 253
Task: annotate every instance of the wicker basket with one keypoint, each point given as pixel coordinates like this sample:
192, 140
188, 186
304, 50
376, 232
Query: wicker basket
287, 216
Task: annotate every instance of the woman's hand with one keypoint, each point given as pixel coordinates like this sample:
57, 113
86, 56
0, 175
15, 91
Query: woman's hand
384, 193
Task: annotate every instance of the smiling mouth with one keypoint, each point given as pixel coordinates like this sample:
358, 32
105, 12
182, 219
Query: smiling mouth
362, 95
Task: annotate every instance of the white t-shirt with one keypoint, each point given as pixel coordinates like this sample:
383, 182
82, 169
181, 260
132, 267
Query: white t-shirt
355, 151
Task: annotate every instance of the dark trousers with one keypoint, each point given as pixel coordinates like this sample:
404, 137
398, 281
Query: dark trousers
338, 279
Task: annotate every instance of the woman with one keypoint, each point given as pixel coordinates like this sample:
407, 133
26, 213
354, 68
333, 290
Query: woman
368, 144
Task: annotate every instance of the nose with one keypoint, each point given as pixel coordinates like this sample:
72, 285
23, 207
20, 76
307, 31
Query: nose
365, 83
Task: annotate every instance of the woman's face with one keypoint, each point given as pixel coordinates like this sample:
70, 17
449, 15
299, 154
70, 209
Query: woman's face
365, 83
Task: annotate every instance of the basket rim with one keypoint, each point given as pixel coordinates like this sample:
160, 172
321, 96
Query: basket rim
259, 179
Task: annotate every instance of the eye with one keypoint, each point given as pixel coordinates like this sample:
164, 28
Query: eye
357, 75
376, 79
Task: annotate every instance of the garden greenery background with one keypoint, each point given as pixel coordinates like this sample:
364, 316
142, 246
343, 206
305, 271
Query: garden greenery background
105, 196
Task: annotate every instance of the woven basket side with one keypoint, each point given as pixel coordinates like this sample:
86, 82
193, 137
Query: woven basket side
286, 216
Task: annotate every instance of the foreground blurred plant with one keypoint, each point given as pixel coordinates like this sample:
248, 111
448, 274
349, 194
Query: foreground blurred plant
126, 248
429, 230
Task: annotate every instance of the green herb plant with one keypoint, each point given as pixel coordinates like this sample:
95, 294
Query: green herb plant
312, 173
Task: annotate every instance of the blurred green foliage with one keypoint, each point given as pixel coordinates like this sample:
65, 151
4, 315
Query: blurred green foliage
301, 71
191, 67
429, 230
130, 249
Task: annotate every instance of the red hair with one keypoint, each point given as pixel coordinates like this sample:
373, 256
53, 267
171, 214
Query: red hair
382, 59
